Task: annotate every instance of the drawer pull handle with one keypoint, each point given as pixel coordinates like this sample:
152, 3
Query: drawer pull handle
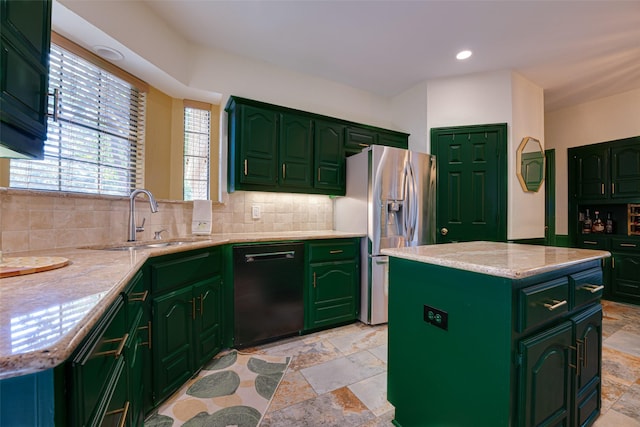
336, 251
555, 304
363, 145
579, 349
124, 411
314, 279
589, 242
117, 352
148, 328
245, 167
139, 296
628, 245
593, 288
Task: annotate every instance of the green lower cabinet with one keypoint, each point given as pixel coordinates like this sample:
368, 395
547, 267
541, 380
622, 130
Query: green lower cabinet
208, 323
333, 283
186, 334
464, 339
625, 276
545, 379
588, 380
332, 293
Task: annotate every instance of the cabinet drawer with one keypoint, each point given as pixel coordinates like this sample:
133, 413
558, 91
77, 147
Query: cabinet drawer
136, 296
334, 250
97, 364
177, 272
543, 302
592, 241
587, 286
627, 244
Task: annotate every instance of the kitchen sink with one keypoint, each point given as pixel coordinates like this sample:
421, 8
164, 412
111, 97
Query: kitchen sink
134, 246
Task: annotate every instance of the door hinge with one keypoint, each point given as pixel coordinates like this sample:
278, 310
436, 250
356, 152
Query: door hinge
519, 359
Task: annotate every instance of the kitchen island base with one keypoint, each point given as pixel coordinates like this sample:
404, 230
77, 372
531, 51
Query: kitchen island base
472, 349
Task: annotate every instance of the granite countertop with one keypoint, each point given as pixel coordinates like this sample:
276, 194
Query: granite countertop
509, 260
44, 316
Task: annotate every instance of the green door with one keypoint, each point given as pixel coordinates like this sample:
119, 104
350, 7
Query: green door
296, 151
471, 176
591, 173
258, 161
545, 378
329, 157
625, 169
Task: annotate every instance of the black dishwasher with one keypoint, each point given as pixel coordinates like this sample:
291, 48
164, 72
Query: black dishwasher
268, 292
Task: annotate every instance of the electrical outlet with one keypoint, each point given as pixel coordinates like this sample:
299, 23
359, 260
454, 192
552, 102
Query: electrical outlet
255, 212
436, 317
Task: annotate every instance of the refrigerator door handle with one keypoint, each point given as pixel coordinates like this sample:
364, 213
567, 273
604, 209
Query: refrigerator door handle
411, 205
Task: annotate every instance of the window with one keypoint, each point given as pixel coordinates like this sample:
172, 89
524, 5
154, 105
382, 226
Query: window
197, 125
95, 133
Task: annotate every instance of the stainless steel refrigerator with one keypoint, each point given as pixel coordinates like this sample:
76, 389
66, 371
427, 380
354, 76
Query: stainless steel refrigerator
391, 198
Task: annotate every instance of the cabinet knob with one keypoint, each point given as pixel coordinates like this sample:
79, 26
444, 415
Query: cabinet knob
444, 231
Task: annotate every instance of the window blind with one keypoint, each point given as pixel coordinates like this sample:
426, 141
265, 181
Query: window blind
95, 133
197, 125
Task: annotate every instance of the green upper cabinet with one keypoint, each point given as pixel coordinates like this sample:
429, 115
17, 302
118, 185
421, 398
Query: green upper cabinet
625, 169
258, 154
358, 138
24, 67
329, 157
592, 172
393, 139
296, 151
606, 171
274, 148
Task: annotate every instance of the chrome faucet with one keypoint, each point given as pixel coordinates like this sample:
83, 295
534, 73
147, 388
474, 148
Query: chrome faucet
133, 228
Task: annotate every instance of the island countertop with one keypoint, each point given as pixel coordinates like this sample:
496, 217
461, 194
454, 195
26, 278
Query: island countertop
509, 260
44, 316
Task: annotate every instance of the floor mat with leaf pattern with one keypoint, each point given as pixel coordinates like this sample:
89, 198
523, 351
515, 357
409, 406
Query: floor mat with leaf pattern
234, 389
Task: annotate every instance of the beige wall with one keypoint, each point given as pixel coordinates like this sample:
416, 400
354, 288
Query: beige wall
605, 119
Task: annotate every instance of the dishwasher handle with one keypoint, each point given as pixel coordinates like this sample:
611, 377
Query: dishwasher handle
269, 256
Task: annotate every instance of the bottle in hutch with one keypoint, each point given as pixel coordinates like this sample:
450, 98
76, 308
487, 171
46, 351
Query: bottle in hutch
598, 225
586, 224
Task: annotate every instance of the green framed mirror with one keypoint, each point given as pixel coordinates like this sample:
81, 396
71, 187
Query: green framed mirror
530, 163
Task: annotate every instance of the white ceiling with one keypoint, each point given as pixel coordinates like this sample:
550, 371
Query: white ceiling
575, 50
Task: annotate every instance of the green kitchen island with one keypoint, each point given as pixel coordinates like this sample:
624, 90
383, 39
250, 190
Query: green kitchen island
494, 334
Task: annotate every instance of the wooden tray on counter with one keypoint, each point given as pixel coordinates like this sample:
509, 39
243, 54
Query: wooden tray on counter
17, 266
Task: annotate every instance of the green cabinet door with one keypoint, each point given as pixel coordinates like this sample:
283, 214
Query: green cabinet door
393, 139
591, 173
257, 160
296, 151
358, 138
546, 378
333, 287
208, 322
173, 322
625, 275
625, 169
24, 65
329, 160
588, 387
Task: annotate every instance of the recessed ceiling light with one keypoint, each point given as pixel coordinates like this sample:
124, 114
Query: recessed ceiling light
108, 53
463, 54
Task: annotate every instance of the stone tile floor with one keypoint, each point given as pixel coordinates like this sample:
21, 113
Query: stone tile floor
338, 377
